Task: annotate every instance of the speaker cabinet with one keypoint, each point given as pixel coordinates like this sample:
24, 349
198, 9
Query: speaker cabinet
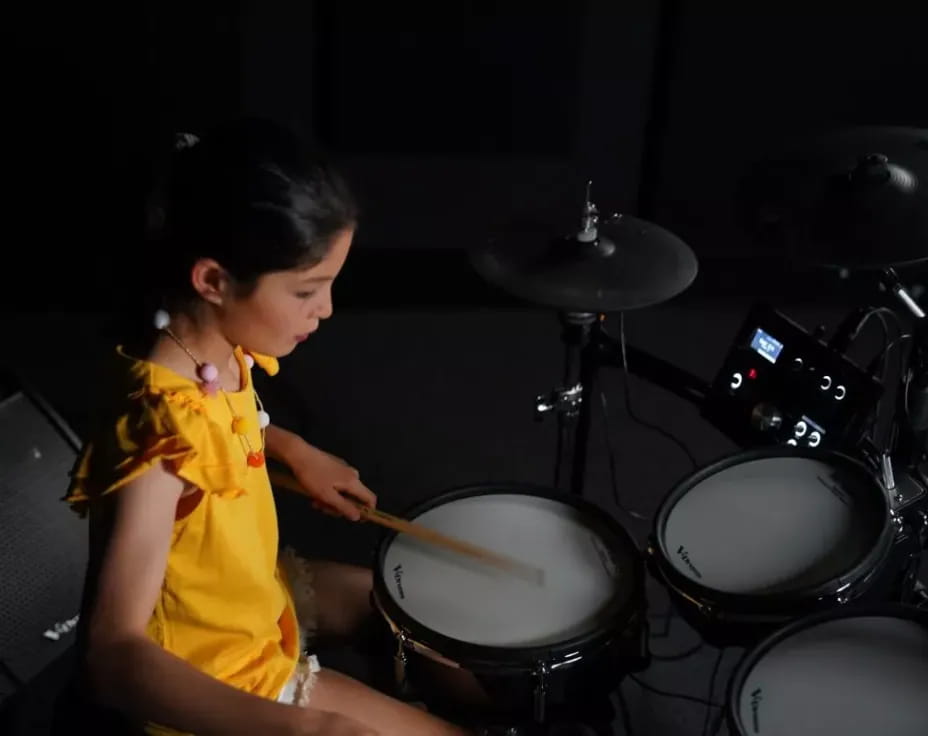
43, 544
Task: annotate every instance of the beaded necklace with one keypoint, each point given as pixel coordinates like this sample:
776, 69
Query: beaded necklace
208, 374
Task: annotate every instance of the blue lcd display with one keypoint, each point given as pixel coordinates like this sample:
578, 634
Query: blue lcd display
766, 346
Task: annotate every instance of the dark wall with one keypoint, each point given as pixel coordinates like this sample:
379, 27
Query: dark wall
88, 92
743, 80
448, 124
452, 118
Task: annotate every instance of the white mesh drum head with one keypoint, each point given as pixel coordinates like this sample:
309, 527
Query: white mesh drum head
862, 676
771, 525
472, 602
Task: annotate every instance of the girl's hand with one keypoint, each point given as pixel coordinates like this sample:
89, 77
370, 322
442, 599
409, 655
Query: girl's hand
332, 484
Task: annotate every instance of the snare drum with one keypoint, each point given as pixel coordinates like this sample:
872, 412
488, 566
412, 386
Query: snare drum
762, 537
524, 642
858, 671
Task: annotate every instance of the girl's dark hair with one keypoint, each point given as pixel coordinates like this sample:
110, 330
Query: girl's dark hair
249, 195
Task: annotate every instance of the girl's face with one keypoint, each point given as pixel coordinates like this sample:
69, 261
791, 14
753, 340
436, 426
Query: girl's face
285, 307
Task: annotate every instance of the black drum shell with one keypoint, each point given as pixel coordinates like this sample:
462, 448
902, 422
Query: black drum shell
509, 675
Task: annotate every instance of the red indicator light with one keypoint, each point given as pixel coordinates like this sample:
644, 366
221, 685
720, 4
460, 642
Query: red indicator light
752, 374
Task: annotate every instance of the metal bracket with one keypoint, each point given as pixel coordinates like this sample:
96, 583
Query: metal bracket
541, 691
564, 401
400, 661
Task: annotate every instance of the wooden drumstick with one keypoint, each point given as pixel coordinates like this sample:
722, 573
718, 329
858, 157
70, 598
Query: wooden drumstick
430, 536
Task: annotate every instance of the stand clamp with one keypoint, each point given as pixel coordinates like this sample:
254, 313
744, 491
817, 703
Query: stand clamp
563, 401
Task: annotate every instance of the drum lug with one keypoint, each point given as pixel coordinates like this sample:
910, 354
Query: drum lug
922, 533
400, 662
541, 690
844, 594
897, 522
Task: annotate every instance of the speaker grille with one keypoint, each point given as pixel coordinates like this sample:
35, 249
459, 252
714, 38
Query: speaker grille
43, 544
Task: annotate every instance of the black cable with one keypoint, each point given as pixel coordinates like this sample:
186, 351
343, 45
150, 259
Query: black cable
623, 712
882, 359
628, 400
718, 722
613, 473
10, 675
679, 696
685, 654
668, 617
899, 340
715, 673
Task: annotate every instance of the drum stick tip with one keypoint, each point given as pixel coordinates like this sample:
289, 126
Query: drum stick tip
533, 575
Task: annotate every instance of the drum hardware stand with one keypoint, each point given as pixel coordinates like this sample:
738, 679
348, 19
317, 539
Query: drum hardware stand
541, 691
569, 402
911, 425
911, 436
588, 348
889, 483
582, 340
912, 422
920, 596
400, 664
910, 442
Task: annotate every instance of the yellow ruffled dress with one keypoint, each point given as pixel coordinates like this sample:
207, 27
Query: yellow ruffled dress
225, 605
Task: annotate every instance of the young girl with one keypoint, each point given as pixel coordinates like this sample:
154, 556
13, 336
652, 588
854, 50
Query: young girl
192, 623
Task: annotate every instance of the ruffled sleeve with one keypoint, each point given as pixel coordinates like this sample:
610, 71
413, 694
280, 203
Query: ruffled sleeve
158, 426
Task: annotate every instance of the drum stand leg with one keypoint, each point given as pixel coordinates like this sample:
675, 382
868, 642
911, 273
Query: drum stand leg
571, 401
588, 370
587, 348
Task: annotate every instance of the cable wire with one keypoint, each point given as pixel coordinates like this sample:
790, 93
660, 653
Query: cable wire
685, 654
628, 403
623, 712
715, 673
667, 694
10, 675
610, 452
613, 472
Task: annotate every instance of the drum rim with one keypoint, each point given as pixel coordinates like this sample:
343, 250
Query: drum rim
778, 601
521, 658
755, 654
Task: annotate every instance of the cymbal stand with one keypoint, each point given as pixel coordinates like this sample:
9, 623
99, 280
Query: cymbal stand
911, 419
570, 401
588, 348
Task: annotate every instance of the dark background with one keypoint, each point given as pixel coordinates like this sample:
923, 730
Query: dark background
451, 119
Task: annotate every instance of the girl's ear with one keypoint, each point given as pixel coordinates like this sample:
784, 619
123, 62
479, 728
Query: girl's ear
210, 280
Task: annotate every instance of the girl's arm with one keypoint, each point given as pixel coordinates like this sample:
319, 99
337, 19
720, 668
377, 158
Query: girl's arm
325, 477
131, 673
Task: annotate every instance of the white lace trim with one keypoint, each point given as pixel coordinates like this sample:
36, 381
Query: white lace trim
306, 671
299, 687
299, 576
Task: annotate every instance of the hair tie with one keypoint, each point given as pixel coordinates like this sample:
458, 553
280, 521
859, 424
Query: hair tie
183, 141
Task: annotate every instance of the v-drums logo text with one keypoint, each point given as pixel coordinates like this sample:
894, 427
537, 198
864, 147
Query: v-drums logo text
398, 577
756, 697
685, 556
